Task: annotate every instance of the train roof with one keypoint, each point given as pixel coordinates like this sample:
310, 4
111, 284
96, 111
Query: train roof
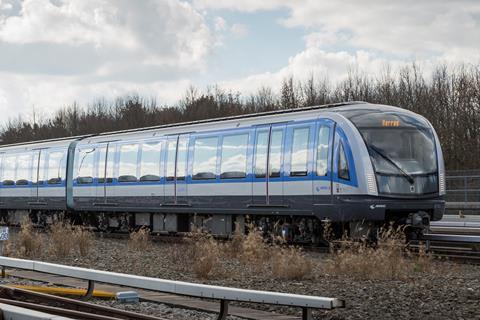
342, 108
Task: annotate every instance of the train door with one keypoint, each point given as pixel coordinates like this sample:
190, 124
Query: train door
323, 165
298, 165
267, 186
344, 176
104, 174
176, 170
37, 174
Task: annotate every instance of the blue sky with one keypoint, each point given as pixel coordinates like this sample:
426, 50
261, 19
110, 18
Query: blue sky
55, 52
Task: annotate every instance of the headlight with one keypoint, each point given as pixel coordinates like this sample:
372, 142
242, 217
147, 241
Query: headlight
441, 183
371, 183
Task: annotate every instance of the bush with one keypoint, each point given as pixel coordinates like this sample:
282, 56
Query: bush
83, 239
62, 238
140, 239
29, 242
388, 260
290, 263
205, 256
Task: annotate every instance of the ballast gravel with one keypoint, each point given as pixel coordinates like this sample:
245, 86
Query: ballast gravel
451, 291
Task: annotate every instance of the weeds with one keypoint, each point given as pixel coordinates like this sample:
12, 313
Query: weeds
62, 238
29, 240
206, 254
387, 261
140, 239
83, 239
290, 263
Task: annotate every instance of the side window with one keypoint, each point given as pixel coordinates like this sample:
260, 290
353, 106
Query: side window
182, 158
299, 156
127, 169
150, 162
205, 158
322, 150
9, 164
234, 156
85, 167
171, 152
275, 157
343, 172
261, 149
24, 174
55, 167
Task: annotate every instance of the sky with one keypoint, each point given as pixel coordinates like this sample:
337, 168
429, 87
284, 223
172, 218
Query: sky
56, 52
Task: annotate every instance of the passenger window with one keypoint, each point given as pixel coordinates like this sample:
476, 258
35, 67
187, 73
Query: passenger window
150, 162
322, 150
275, 157
55, 167
234, 156
9, 164
85, 166
299, 157
343, 172
182, 158
101, 173
171, 152
127, 170
23, 169
205, 158
261, 148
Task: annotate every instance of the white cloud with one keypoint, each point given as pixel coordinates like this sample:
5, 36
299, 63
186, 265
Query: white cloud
219, 24
158, 33
405, 29
239, 30
19, 94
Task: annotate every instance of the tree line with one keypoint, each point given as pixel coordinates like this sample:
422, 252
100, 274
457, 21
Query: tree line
449, 97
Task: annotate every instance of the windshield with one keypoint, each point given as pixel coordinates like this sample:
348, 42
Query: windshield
410, 149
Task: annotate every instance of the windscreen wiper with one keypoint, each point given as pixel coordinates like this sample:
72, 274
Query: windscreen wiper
404, 174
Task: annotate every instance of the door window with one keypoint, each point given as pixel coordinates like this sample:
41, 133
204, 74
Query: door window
322, 150
299, 156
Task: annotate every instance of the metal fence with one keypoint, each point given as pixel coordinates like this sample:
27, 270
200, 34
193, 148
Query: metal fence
463, 190
224, 294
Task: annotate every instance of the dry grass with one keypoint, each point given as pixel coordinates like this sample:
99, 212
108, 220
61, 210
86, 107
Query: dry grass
254, 251
290, 263
62, 238
387, 261
83, 239
29, 242
205, 256
140, 239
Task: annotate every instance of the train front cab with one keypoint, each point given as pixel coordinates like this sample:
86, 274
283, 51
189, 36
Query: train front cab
402, 170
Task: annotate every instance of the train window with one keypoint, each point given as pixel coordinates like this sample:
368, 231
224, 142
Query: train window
299, 156
24, 172
101, 173
127, 169
39, 168
171, 153
150, 162
205, 158
55, 167
343, 172
85, 166
261, 149
182, 158
9, 165
234, 156
322, 150
275, 157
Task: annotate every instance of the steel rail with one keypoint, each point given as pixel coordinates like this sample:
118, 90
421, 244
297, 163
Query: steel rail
224, 294
64, 306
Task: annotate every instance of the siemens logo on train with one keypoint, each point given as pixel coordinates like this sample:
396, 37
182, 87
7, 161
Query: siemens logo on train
285, 171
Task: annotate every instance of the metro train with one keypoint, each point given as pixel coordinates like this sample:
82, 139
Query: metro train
352, 164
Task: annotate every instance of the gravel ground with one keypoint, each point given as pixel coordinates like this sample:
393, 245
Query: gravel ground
450, 291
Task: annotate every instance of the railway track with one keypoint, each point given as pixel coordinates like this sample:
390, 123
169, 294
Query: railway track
66, 307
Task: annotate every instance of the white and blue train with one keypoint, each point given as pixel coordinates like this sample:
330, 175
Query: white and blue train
350, 163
